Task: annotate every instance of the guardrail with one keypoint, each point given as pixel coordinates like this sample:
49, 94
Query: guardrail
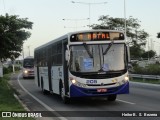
157, 77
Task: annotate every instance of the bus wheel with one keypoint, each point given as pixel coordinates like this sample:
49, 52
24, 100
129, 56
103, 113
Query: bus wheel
112, 97
65, 99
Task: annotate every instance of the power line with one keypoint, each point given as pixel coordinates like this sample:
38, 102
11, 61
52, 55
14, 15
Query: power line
89, 6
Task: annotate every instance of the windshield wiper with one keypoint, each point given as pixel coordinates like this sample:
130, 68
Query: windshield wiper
88, 51
109, 46
104, 53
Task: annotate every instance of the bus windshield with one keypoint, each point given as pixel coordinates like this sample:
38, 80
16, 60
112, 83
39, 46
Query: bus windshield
28, 63
97, 58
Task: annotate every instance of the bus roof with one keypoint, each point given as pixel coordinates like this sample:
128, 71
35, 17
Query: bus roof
76, 32
52, 41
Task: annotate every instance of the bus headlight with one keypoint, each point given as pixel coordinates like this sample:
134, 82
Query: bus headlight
77, 83
80, 84
73, 81
126, 78
25, 71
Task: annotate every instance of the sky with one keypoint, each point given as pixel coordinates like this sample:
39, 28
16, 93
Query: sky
53, 18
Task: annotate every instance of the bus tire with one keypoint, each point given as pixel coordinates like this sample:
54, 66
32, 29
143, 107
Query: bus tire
65, 99
45, 92
112, 97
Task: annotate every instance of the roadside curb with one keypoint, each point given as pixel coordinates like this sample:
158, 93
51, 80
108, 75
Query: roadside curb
20, 99
16, 96
24, 106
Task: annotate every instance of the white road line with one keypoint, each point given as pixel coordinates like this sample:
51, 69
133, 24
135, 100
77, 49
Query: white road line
125, 101
38, 100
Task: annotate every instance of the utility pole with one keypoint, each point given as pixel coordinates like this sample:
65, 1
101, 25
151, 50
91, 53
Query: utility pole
23, 52
148, 49
125, 24
28, 49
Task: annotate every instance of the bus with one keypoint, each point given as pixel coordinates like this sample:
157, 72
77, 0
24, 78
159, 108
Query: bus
90, 63
28, 67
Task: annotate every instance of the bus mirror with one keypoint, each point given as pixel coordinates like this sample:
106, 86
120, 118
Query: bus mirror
67, 55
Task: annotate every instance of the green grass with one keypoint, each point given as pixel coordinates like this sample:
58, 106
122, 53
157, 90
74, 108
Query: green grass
152, 81
7, 100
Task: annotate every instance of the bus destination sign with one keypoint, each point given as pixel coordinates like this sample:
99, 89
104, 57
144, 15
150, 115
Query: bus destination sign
97, 36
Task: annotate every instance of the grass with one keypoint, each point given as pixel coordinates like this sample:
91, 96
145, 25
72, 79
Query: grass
7, 100
152, 81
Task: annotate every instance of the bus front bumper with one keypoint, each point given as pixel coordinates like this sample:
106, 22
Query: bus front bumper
28, 74
76, 91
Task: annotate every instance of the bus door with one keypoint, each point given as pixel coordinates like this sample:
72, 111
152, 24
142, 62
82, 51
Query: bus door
65, 66
49, 64
37, 72
37, 68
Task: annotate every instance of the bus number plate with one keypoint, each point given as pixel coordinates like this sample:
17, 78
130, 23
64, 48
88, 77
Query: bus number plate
102, 90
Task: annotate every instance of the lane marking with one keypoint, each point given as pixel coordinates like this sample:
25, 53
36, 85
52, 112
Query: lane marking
125, 101
38, 100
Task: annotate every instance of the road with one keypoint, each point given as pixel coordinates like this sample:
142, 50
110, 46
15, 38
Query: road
142, 97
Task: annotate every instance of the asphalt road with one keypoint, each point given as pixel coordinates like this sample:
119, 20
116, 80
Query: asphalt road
143, 98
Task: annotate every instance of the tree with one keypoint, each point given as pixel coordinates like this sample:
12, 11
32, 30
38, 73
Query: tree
136, 51
149, 54
12, 35
136, 36
158, 35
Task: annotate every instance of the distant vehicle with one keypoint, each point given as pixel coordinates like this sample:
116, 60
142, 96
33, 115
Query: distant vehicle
91, 63
28, 67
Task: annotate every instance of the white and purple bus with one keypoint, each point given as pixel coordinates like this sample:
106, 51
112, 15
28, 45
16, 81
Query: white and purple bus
90, 63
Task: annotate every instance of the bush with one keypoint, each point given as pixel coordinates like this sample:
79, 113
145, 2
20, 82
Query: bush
9, 69
151, 69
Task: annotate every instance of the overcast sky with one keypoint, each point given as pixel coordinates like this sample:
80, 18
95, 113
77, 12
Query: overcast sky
47, 16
